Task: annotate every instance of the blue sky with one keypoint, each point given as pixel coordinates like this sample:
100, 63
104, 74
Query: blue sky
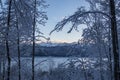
57, 10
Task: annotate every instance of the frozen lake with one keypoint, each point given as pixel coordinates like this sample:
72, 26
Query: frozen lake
46, 63
43, 63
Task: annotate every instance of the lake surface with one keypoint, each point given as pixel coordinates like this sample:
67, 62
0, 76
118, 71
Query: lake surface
47, 63
43, 63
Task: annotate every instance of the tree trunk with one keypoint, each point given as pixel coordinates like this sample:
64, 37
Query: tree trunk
114, 40
3, 71
33, 50
18, 48
0, 66
7, 41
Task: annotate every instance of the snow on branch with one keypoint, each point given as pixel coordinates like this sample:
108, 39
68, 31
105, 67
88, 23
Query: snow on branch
74, 20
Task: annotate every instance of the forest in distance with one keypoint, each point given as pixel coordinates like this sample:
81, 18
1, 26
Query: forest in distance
60, 50
27, 54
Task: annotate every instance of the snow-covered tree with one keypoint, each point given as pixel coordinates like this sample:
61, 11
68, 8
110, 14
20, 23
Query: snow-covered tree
100, 19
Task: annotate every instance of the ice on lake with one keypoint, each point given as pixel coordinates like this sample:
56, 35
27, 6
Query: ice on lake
47, 63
